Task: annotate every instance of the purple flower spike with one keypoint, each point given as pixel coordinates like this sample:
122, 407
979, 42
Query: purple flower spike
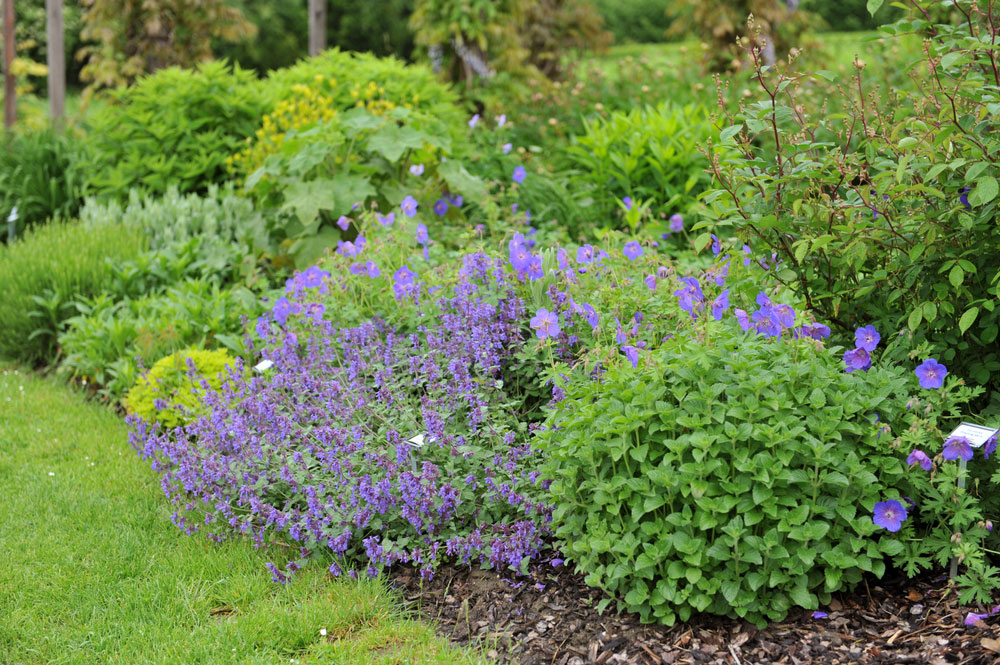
931, 374
545, 324
519, 174
856, 359
866, 338
889, 515
921, 458
957, 447
633, 250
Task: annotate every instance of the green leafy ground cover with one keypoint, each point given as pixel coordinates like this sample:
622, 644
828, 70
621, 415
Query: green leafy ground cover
94, 572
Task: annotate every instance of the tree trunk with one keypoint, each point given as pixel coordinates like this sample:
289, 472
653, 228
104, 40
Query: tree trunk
317, 26
9, 85
56, 60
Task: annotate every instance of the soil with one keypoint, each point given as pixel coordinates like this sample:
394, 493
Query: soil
552, 620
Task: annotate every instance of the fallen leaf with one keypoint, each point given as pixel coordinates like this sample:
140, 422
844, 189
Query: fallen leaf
915, 595
991, 644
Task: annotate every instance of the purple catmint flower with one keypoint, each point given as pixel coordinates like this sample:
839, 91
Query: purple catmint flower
633, 250
676, 223
921, 458
409, 206
417, 169
519, 174
857, 359
889, 515
866, 338
957, 447
931, 374
545, 324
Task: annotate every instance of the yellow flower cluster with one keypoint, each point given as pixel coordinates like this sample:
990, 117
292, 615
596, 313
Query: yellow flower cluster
307, 107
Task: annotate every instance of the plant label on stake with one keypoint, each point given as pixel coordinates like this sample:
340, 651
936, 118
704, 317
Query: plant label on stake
416, 443
977, 436
264, 365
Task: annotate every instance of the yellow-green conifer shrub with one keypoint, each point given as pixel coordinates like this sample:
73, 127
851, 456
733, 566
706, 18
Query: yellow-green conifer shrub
168, 381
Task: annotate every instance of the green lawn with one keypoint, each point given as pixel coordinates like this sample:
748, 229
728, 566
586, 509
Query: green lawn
92, 570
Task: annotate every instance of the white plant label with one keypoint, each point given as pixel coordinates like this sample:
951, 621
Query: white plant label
977, 435
263, 366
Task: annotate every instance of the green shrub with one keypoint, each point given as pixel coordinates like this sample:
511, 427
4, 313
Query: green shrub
104, 344
173, 128
893, 224
42, 272
216, 234
643, 21
732, 474
353, 79
650, 154
168, 380
39, 175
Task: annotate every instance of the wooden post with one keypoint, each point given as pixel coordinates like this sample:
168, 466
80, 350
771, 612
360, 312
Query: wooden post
56, 60
317, 26
9, 85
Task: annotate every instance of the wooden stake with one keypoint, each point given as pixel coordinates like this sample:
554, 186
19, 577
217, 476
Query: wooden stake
56, 60
317, 26
9, 85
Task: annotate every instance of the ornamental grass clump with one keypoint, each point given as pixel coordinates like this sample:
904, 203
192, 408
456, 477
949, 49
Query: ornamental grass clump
371, 445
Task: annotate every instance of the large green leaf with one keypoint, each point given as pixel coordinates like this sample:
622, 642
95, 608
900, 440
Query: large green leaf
392, 141
461, 181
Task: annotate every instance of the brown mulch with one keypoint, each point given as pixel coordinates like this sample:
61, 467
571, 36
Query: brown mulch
885, 622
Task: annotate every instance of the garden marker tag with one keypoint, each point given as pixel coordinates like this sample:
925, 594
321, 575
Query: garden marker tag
263, 366
977, 435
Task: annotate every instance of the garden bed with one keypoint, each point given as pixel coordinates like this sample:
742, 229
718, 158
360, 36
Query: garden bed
554, 620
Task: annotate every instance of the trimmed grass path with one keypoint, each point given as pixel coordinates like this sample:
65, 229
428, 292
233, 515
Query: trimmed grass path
92, 571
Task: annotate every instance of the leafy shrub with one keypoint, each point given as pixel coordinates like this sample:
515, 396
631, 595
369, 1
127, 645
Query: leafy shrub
361, 79
39, 174
732, 476
104, 344
635, 20
842, 15
173, 128
879, 214
42, 272
650, 154
127, 38
170, 380
308, 177
216, 234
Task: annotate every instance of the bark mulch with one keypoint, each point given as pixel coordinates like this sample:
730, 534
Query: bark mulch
885, 621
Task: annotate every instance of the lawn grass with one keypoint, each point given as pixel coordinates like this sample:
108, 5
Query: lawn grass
93, 571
